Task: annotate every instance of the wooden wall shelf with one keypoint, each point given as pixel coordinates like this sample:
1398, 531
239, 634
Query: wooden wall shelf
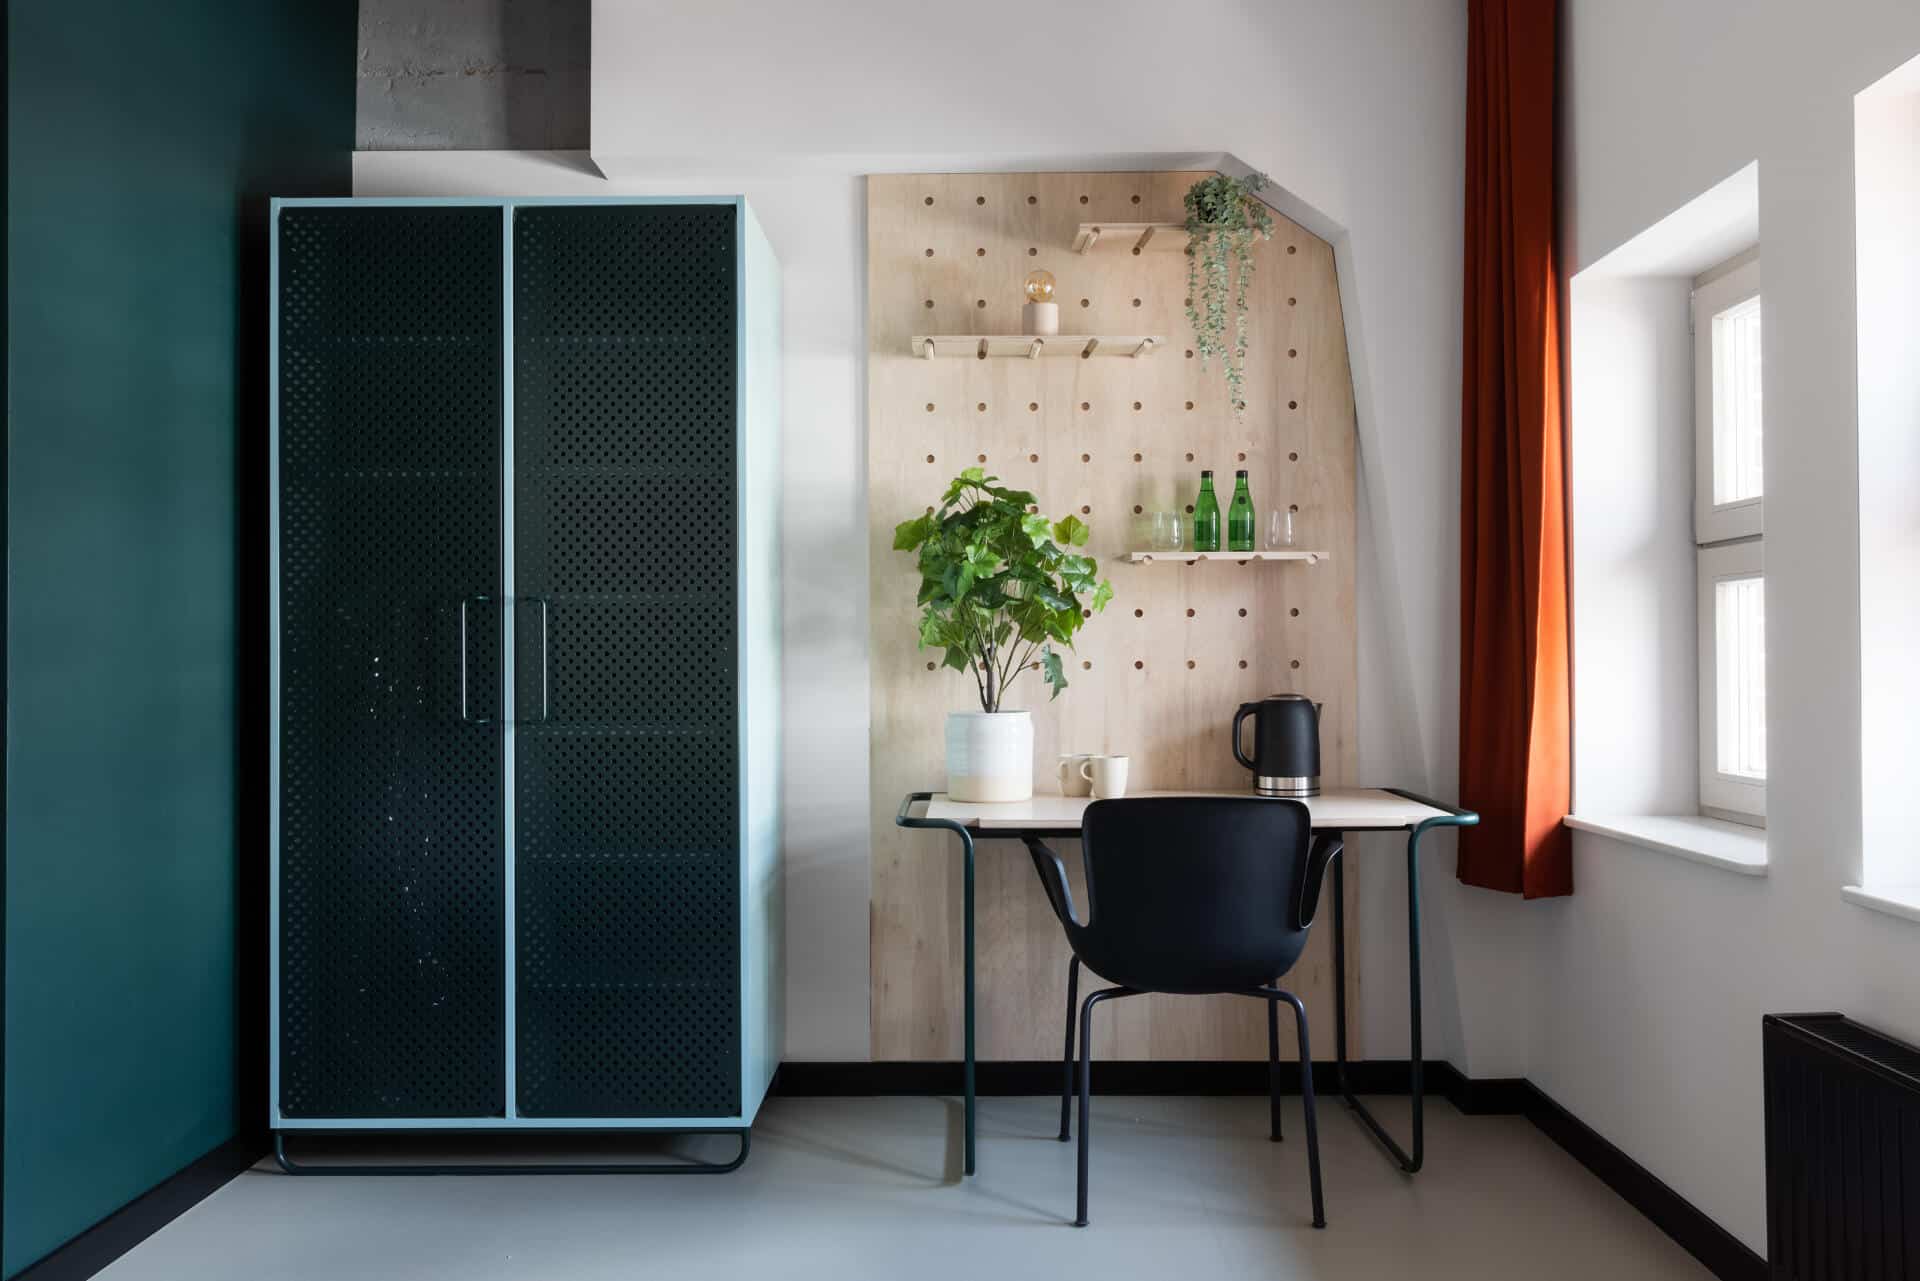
1140, 237
1028, 347
1188, 558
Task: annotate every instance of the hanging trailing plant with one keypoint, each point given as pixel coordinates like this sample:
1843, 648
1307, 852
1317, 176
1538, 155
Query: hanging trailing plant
1224, 218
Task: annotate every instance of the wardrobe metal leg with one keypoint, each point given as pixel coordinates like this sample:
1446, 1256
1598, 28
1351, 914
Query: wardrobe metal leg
1066, 1058
290, 1166
1273, 1066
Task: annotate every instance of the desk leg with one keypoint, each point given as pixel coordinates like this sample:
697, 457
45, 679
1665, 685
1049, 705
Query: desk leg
1416, 1083
966, 843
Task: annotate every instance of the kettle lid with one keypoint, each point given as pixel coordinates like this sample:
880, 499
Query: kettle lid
1289, 696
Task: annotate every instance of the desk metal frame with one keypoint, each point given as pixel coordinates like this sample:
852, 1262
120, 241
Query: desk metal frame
1449, 817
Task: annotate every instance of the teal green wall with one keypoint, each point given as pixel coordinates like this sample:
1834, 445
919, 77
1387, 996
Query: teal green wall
143, 138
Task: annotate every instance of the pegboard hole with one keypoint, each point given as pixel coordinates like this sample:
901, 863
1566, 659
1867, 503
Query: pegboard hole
981, 407
929, 253
1136, 458
1189, 507
1292, 352
1033, 251
981, 252
1293, 404
980, 303
1139, 613
1189, 404
1033, 458
1085, 405
1243, 613
1240, 458
1189, 457
1293, 250
1086, 458
1190, 664
1294, 612
1293, 302
1137, 509
1136, 406
1083, 200
929, 304
929, 457
979, 200
1033, 406
1138, 665
1136, 302
929, 199
1033, 200
1086, 302
1189, 350
1189, 613
1243, 664
1086, 511
1293, 507
929, 406
1293, 458
930, 666
981, 458
1136, 200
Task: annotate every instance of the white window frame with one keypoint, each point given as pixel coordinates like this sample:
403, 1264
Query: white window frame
1728, 540
1726, 796
1727, 285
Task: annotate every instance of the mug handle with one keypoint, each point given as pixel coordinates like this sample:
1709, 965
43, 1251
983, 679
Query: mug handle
1086, 770
1060, 773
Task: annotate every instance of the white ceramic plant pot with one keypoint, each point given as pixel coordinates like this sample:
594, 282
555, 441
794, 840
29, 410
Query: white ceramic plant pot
990, 756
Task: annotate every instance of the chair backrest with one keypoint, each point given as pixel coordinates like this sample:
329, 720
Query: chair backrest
1193, 894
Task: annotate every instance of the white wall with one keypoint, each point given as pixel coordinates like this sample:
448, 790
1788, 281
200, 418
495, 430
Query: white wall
1887, 217
1652, 977
1357, 109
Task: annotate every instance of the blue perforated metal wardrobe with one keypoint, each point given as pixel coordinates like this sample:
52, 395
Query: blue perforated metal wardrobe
526, 665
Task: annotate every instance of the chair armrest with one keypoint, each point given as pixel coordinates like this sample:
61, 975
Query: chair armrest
1053, 878
1326, 848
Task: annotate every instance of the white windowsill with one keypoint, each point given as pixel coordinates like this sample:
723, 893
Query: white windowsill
1895, 900
1732, 847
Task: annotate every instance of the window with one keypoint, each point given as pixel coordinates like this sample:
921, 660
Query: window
1728, 524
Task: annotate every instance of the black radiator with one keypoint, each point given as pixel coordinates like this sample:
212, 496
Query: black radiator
1843, 1151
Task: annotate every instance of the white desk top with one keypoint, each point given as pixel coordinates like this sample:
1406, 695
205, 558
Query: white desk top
1344, 809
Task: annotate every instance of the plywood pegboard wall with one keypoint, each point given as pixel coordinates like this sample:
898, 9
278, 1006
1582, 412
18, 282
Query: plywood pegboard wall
1159, 674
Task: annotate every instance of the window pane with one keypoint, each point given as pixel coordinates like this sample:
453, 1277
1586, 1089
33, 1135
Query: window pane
1736, 403
1740, 636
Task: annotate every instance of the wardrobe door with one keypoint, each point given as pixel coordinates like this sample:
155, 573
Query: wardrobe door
391, 863
626, 747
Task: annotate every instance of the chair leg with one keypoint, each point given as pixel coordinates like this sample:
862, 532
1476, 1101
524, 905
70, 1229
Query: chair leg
1273, 1065
1306, 1098
1066, 1059
1086, 1092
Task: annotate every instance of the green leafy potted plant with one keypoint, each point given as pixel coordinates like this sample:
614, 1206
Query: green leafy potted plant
1224, 218
1001, 591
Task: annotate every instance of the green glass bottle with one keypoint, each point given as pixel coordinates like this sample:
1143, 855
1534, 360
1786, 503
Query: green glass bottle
1206, 517
1240, 516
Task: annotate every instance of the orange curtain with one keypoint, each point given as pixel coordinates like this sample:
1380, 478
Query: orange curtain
1514, 699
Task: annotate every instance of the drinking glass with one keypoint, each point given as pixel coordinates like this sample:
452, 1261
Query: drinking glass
1280, 529
1167, 531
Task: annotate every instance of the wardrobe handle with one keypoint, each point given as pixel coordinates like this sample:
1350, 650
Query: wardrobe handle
543, 658
465, 709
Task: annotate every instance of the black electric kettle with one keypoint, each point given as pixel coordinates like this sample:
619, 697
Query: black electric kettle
1286, 745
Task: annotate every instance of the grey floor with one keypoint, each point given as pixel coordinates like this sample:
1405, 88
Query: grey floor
855, 1188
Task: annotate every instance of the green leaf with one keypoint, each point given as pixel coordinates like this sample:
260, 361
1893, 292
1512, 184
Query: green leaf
1101, 595
909, 534
1053, 671
957, 659
1071, 532
1036, 527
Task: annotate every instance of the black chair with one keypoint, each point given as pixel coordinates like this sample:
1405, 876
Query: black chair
1191, 895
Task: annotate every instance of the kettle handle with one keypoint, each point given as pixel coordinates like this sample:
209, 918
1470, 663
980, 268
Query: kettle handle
1246, 709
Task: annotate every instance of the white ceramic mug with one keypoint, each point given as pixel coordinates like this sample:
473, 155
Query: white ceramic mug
1072, 781
1106, 774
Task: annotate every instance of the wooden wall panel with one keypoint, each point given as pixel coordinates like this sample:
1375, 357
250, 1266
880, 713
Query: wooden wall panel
1159, 674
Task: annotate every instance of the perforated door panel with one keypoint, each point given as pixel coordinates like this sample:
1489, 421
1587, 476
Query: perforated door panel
391, 860
627, 859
